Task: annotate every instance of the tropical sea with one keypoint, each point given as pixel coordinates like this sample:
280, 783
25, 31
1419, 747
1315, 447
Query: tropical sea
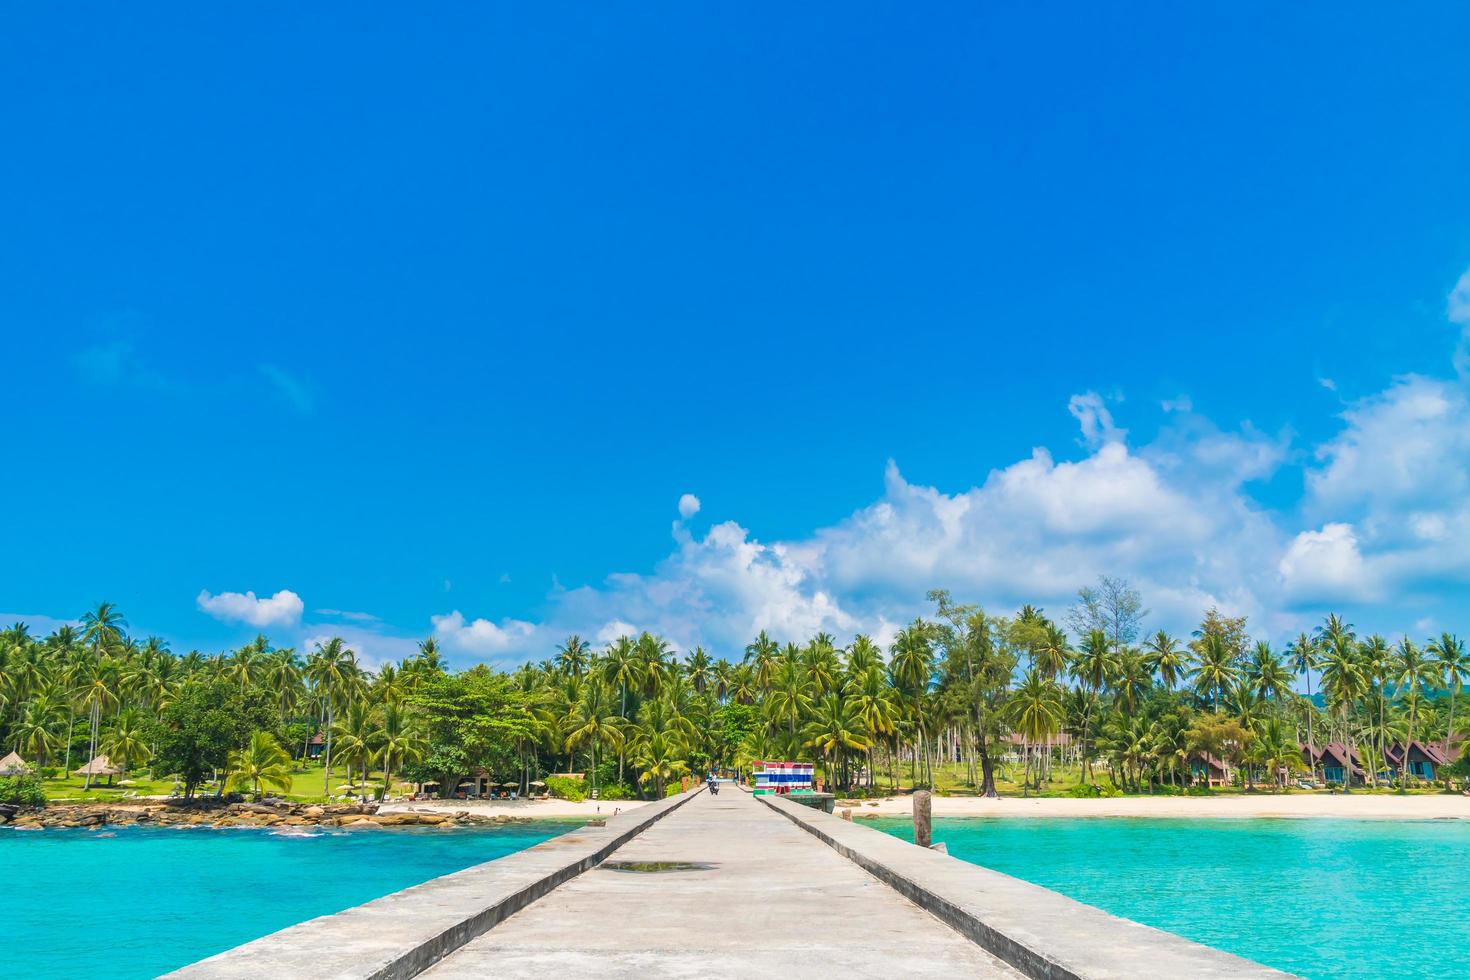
1319, 898
136, 902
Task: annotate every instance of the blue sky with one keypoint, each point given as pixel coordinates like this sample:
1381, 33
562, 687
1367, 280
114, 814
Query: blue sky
433, 320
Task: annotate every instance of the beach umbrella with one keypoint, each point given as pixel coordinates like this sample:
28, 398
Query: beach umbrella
13, 765
537, 782
509, 785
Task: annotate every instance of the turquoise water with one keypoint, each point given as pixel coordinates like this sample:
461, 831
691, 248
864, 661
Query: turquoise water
1319, 898
134, 902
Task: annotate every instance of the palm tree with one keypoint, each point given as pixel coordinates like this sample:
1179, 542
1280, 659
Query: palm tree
592, 723
761, 656
574, 655
96, 692
261, 762
126, 743
332, 669
1266, 674
836, 728
699, 669
1035, 711
913, 673
1343, 681
398, 740
354, 731
1411, 670
1303, 655
1167, 658
661, 759
102, 629
1453, 668
1093, 667
1214, 668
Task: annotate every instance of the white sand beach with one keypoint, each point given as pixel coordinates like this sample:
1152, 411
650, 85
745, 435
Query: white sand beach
1357, 805
532, 809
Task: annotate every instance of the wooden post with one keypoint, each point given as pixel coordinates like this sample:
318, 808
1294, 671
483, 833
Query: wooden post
923, 818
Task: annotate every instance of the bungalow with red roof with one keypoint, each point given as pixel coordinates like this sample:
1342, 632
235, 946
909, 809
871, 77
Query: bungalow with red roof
1209, 770
1335, 761
1424, 760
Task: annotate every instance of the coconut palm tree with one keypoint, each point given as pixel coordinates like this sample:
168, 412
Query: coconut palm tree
1411, 670
1214, 669
262, 762
332, 671
1167, 658
97, 691
592, 723
1035, 712
574, 655
1344, 681
913, 674
398, 740
1093, 667
661, 760
835, 729
126, 743
1303, 654
1453, 668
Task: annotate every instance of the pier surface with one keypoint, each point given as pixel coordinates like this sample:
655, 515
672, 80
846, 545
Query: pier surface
767, 896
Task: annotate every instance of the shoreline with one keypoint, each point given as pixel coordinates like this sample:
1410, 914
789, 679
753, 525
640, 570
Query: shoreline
1352, 806
518, 809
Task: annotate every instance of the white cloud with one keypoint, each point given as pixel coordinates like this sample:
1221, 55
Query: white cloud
373, 647
1096, 421
1326, 566
615, 630
282, 609
1181, 404
480, 636
688, 506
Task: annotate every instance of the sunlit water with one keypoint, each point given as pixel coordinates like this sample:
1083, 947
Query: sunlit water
1319, 898
134, 902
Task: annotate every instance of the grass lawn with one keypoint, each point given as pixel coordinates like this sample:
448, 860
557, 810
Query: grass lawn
306, 786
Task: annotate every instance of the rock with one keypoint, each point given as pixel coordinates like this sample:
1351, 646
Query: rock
313, 811
363, 823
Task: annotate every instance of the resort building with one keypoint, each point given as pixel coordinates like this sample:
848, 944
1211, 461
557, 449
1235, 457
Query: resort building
1335, 761
1207, 769
1423, 760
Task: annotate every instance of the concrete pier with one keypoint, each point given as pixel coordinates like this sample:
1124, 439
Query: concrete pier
723, 887
764, 897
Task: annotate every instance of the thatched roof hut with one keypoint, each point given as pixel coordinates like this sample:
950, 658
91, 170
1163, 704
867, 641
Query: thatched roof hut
13, 765
100, 766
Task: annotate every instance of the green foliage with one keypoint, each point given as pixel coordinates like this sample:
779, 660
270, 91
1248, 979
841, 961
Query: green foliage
206, 722
22, 790
616, 791
567, 788
472, 720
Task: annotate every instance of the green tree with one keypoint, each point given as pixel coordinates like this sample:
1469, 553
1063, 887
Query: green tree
262, 762
194, 736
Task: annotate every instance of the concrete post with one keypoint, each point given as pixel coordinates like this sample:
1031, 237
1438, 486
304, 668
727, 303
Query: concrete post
923, 818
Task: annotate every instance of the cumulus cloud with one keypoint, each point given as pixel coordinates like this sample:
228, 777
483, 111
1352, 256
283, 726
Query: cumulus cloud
688, 506
282, 609
1096, 421
610, 632
481, 636
1325, 566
